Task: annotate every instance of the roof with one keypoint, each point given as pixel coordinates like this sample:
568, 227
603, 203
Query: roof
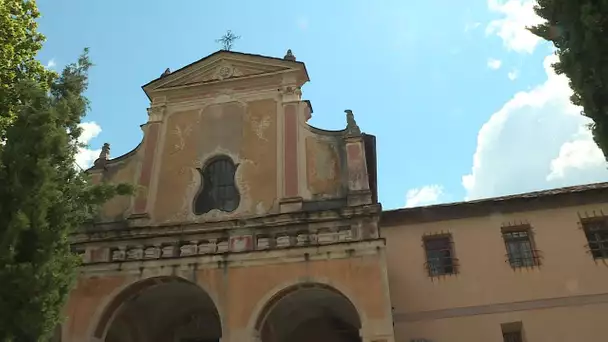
229, 53
537, 200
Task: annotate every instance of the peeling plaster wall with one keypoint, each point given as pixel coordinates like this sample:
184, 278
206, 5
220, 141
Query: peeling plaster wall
325, 159
119, 207
246, 132
238, 298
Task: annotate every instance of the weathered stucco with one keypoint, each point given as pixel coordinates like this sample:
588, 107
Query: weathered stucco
119, 207
240, 293
244, 131
566, 292
324, 167
292, 227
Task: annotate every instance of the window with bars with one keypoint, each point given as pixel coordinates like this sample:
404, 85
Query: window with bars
219, 190
597, 238
513, 336
439, 255
520, 247
512, 332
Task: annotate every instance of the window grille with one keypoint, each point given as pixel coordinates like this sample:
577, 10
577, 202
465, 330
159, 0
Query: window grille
597, 238
439, 256
219, 190
520, 248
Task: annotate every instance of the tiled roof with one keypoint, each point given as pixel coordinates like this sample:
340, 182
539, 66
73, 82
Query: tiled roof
537, 200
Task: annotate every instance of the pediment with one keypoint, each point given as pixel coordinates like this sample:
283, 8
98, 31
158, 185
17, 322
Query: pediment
223, 66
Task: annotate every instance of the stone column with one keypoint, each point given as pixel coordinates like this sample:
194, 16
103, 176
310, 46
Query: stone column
150, 145
358, 182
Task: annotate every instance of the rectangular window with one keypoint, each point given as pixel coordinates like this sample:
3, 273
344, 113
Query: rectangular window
512, 332
439, 255
519, 247
597, 238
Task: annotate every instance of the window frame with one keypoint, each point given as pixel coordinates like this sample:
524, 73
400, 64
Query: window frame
523, 261
601, 252
219, 174
513, 332
443, 266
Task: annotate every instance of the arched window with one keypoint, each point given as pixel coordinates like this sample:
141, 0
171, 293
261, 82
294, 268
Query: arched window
218, 187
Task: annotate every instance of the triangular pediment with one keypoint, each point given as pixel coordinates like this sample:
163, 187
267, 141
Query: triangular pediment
224, 66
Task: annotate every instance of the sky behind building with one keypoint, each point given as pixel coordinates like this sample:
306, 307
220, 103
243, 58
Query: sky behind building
462, 99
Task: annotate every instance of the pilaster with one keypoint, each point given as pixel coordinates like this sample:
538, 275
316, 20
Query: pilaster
359, 192
152, 131
291, 199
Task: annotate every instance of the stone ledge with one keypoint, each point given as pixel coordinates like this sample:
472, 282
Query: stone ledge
241, 259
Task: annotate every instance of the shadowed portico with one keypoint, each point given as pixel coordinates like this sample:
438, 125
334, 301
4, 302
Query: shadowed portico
162, 309
309, 312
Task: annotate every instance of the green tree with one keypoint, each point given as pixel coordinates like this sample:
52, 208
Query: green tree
19, 44
43, 198
579, 31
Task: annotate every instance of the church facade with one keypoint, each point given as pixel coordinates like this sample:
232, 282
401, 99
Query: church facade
248, 224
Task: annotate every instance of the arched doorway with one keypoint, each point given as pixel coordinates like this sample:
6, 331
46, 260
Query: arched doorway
309, 313
167, 309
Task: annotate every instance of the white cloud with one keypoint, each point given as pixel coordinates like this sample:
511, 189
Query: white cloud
426, 195
51, 64
516, 15
579, 160
537, 140
513, 74
494, 64
86, 156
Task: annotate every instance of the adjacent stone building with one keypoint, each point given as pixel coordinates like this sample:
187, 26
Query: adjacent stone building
251, 225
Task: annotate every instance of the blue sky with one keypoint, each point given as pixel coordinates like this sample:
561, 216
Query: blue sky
461, 98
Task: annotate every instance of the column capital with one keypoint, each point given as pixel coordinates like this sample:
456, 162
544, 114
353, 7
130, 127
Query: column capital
156, 113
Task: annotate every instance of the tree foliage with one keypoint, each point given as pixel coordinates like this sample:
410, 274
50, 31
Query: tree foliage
43, 196
19, 44
579, 31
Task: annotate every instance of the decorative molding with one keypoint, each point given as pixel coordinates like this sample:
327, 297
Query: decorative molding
183, 265
156, 113
178, 248
110, 232
291, 93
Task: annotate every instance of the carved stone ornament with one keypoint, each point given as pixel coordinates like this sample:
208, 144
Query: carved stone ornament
136, 253
291, 93
352, 129
155, 113
188, 249
104, 156
118, 255
152, 253
224, 72
289, 56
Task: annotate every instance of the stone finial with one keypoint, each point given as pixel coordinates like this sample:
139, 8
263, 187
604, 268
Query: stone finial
104, 155
167, 72
351, 125
289, 56
105, 152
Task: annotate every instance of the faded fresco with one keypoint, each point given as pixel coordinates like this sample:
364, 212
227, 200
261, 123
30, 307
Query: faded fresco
245, 132
324, 166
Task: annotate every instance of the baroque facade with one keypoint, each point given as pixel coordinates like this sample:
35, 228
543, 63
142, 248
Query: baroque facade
249, 224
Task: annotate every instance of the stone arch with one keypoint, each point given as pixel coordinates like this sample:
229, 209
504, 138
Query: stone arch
168, 305
286, 314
